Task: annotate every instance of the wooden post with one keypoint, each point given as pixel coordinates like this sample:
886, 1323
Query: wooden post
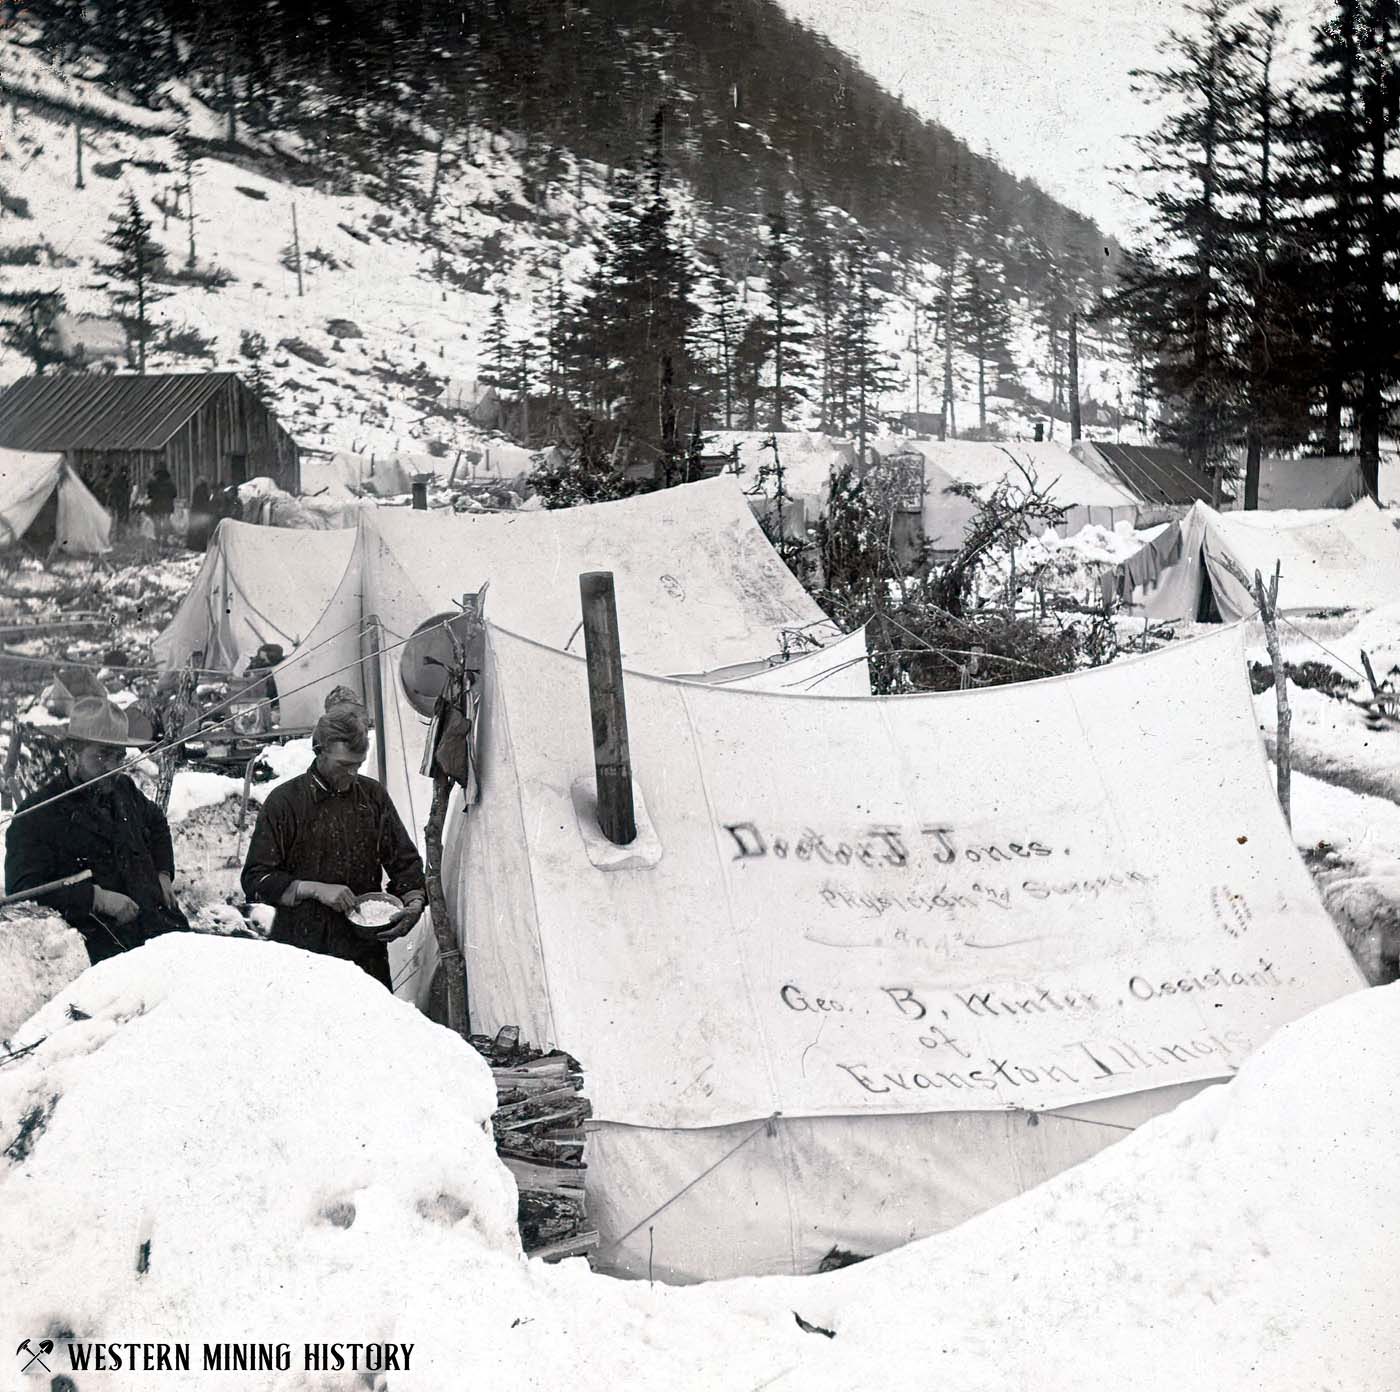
78, 151
296, 251
370, 642
1075, 423
451, 976
612, 759
1267, 600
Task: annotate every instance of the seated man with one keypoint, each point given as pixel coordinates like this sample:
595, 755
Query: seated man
93, 818
326, 837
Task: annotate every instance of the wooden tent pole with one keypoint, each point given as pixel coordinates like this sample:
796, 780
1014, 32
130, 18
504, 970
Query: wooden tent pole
1267, 600
612, 760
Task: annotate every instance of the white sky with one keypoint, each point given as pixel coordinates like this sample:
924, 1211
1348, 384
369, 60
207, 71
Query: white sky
1042, 85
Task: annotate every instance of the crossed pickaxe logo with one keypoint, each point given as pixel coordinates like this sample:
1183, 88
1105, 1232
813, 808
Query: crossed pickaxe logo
35, 1355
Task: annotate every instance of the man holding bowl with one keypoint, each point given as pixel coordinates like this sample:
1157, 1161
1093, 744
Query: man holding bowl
327, 837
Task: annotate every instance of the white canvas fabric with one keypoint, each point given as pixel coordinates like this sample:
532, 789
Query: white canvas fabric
1067, 481
27, 481
890, 927
698, 587
1308, 483
841, 668
1329, 559
272, 585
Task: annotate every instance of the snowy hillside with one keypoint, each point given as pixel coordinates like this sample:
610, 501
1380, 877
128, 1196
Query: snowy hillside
394, 302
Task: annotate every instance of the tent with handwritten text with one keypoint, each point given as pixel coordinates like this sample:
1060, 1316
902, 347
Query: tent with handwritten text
700, 592
872, 965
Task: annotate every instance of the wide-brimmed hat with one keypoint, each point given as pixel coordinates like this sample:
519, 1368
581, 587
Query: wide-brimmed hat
96, 720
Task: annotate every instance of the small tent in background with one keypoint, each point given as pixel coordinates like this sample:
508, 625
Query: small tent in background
1308, 483
45, 505
269, 585
1203, 566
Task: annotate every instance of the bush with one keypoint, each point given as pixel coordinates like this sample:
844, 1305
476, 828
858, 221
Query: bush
26, 254
209, 277
186, 342
1307, 676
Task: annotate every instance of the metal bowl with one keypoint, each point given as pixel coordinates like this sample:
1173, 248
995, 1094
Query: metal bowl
372, 931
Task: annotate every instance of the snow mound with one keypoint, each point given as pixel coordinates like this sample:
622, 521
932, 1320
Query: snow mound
247, 1142
39, 956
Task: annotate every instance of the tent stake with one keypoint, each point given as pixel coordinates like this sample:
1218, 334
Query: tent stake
1267, 600
612, 759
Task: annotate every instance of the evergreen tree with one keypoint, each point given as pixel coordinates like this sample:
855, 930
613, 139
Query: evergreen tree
1175, 293
984, 329
30, 327
496, 369
1265, 259
789, 338
637, 360
864, 366
1326, 172
138, 260
1378, 233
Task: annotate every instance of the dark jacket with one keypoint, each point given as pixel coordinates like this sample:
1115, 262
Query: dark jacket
160, 492
308, 832
110, 827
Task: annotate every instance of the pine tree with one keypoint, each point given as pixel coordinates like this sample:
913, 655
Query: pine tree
636, 361
1326, 171
496, 368
789, 338
1378, 228
139, 260
30, 327
1266, 260
984, 329
866, 369
1174, 292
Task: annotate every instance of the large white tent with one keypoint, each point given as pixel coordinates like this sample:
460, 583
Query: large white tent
28, 480
874, 965
699, 591
1345, 558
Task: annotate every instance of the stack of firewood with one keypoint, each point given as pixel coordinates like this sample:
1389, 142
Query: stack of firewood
538, 1124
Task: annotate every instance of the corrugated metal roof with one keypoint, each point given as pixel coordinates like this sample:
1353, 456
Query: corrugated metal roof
1156, 474
91, 411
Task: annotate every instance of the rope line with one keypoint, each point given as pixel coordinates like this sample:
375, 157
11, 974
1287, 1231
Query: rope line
176, 743
680, 1193
1334, 656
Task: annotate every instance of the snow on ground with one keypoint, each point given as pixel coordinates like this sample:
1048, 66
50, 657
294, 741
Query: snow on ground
1331, 740
247, 1142
1353, 845
39, 955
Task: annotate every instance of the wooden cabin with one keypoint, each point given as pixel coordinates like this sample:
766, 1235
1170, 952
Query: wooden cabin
205, 425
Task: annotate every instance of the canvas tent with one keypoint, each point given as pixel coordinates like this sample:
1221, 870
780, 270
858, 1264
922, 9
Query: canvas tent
1329, 559
271, 585
41, 488
874, 965
1308, 483
1090, 497
699, 590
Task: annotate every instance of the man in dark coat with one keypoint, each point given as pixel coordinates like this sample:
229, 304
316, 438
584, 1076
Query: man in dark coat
160, 501
326, 837
91, 818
